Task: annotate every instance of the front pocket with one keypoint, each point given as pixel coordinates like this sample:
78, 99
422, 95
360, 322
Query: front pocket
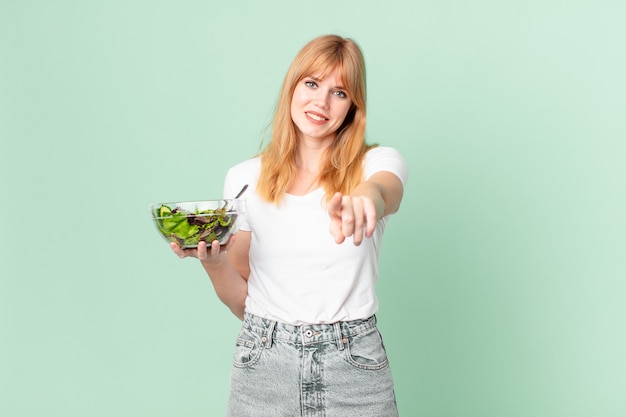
366, 351
248, 348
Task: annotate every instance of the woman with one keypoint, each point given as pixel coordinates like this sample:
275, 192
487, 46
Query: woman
301, 271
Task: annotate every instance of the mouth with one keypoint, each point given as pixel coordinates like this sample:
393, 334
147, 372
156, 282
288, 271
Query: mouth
316, 116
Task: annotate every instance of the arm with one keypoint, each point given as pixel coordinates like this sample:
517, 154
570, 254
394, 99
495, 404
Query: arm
354, 214
228, 268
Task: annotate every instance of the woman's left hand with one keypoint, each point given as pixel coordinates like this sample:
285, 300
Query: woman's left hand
351, 216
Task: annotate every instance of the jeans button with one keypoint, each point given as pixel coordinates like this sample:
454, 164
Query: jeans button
309, 333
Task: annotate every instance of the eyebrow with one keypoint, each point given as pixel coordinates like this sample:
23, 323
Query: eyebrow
340, 87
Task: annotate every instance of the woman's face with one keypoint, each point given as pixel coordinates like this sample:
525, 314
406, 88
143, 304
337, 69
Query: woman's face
319, 106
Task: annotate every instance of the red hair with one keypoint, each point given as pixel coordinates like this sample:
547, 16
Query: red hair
343, 168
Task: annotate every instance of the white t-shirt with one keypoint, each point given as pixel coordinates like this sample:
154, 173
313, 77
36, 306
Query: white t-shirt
298, 274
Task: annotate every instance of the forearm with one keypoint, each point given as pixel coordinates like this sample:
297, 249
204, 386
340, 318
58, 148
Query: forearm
385, 190
371, 191
230, 286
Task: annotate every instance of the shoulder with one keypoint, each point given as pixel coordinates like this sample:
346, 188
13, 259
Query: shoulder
382, 152
385, 158
249, 166
246, 172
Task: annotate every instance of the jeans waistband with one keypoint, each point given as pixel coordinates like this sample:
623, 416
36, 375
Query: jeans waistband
307, 333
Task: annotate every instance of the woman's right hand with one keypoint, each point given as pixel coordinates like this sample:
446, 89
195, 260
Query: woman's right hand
206, 254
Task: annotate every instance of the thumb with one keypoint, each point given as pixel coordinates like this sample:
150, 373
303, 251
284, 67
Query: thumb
334, 205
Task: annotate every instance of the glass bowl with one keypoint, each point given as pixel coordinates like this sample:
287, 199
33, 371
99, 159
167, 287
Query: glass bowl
189, 222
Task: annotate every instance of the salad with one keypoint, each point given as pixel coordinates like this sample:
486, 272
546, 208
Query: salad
187, 229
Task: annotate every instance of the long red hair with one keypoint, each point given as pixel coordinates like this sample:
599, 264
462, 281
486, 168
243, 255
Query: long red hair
342, 170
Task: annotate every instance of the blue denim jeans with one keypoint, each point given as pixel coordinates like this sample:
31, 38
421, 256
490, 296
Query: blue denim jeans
327, 370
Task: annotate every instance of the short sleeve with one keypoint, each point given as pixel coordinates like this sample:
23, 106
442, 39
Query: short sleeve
229, 191
382, 158
241, 174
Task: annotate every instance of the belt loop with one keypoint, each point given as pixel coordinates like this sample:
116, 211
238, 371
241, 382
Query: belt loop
270, 334
338, 335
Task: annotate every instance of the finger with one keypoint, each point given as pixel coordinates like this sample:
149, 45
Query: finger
335, 231
334, 205
357, 208
177, 250
334, 212
215, 248
347, 216
201, 251
370, 217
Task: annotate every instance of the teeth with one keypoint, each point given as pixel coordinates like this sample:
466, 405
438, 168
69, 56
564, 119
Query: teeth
315, 117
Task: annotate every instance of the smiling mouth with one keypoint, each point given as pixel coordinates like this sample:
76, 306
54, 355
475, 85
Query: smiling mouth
316, 117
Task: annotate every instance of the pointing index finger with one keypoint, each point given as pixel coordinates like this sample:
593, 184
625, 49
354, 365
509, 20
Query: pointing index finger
334, 205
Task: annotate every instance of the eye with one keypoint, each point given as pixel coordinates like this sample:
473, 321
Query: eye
340, 93
310, 84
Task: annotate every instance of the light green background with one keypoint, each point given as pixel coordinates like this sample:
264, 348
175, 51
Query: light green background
503, 277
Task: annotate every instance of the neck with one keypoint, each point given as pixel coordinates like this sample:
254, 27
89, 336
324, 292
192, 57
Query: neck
308, 161
310, 153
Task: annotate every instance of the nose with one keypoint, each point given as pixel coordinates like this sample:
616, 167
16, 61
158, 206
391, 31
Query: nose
322, 99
